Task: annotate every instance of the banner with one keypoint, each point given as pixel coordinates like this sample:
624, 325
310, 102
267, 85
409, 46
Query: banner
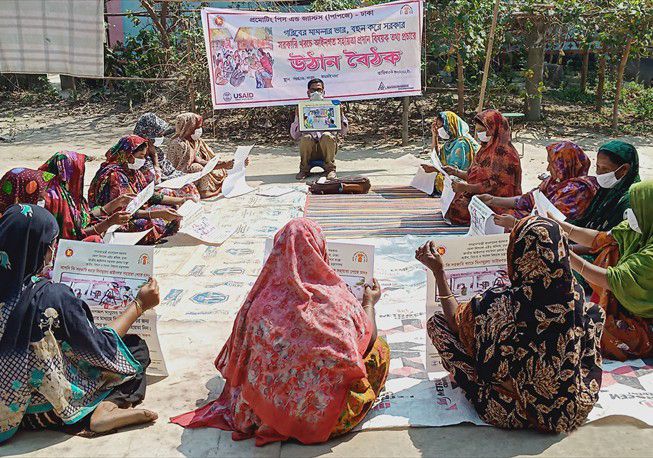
265, 58
108, 278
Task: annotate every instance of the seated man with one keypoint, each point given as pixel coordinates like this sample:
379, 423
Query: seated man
317, 145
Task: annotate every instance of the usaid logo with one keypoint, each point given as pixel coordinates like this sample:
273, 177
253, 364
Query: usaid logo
227, 96
244, 96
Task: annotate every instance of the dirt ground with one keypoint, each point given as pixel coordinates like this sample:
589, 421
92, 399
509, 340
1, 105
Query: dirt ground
31, 136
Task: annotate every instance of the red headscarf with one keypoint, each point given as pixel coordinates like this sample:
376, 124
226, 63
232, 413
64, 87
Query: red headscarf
496, 167
296, 347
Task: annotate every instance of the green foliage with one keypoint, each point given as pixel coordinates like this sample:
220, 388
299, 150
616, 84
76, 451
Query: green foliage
638, 101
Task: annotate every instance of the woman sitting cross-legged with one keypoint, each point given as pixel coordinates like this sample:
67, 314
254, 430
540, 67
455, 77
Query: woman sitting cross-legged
303, 360
527, 355
121, 175
569, 187
622, 275
57, 369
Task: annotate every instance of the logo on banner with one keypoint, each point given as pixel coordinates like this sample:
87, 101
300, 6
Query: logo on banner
441, 250
359, 256
406, 9
242, 95
69, 252
381, 87
144, 260
227, 96
209, 298
219, 21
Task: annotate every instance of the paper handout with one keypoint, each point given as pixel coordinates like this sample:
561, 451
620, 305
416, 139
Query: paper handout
437, 163
472, 265
235, 185
180, 182
195, 224
108, 278
543, 204
133, 206
423, 181
353, 262
448, 195
124, 238
482, 221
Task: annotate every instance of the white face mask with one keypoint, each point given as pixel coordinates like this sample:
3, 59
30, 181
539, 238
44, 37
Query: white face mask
443, 133
197, 134
483, 137
629, 214
158, 141
316, 96
41, 203
138, 163
608, 180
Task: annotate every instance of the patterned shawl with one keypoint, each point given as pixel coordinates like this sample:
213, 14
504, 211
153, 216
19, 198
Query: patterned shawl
114, 178
460, 148
631, 280
538, 335
182, 148
296, 346
52, 357
24, 186
607, 208
496, 167
65, 197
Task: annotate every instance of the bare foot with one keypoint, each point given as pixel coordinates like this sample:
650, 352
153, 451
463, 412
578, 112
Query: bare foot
108, 416
209, 195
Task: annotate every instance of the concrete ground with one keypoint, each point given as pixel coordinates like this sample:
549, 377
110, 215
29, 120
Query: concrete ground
190, 348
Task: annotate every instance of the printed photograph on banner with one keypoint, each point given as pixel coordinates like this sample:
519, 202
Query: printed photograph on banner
320, 115
108, 278
472, 266
267, 58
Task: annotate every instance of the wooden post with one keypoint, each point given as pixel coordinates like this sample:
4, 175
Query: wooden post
404, 121
461, 86
488, 55
583, 75
620, 81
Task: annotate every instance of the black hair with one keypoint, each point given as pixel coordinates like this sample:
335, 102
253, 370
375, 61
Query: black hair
140, 147
618, 160
315, 81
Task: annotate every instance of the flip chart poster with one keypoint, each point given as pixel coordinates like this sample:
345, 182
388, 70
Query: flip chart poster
108, 278
266, 58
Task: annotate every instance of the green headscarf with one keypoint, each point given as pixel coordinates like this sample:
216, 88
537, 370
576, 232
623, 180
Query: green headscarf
631, 280
607, 208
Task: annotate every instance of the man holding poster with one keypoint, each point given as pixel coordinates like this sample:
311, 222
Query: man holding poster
316, 145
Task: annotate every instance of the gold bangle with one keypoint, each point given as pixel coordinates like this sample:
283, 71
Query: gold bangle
582, 267
95, 230
139, 307
445, 297
572, 230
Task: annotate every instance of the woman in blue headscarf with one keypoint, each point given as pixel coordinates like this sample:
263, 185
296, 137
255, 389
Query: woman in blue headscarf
459, 146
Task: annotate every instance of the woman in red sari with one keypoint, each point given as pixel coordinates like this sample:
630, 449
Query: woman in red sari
303, 360
496, 168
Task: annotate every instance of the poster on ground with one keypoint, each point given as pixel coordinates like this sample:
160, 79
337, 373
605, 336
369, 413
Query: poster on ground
265, 58
472, 265
108, 278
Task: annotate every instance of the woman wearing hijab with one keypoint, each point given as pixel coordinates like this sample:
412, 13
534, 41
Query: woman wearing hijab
23, 186
458, 149
617, 168
622, 276
189, 153
303, 360
526, 355
64, 198
157, 167
121, 175
57, 369
568, 187
496, 169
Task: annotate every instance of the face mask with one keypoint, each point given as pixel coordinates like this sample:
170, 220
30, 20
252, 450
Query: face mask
443, 133
47, 267
138, 163
317, 96
608, 180
41, 203
158, 141
483, 137
197, 134
629, 214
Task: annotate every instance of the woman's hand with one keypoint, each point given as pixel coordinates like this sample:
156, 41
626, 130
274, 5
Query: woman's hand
225, 165
372, 293
148, 296
119, 218
505, 221
458, 187
428, 255
552, 216
119, 203
486, 198
454, 171
168, 214
428, 168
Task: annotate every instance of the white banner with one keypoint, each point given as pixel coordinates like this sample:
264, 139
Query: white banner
265, 58
108, 278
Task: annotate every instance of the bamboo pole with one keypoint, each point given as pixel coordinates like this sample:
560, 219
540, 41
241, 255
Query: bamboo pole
488, 55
